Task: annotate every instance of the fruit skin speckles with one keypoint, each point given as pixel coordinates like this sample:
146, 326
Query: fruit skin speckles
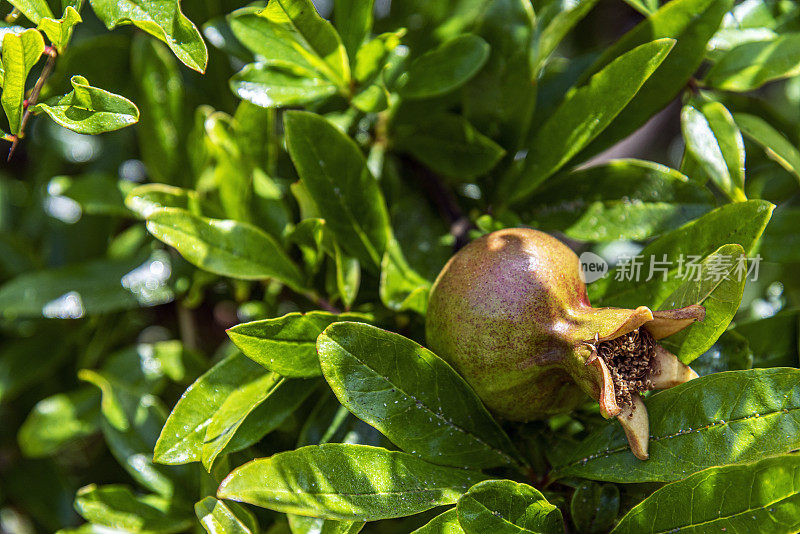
511, 314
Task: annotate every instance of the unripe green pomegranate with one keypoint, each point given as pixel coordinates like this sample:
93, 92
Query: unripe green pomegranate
511, 314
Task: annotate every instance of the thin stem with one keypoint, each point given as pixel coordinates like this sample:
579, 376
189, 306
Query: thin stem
33, 99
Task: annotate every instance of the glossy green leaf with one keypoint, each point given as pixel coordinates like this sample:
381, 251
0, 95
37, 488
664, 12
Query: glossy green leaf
765, 498
251, 412
218, 517
401, 287
34, 10
161, 99
241, 402
594, 507
89, 110
719, 419
507, 507
335, 173
58, 420
449, 145
144, 200
162, 19
270, 41
751, 65
444, 523
774, 143
621, 199
270, 85
739, 223
691, 23
715, 142
117, 506
181, 440
59, 31
300, 18
224, 247
347, 482
446, 68
287, 345
313, 525
94, 287
353, 19
717, 284
21, 51
584, 113
411, 396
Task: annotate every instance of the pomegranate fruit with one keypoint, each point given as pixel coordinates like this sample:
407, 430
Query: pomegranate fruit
511, 314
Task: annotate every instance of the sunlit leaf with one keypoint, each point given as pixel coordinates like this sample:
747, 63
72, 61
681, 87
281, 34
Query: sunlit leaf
162, 19
717, 284
505, 506
21, 51
117, 506
274, 85
34, 10
719, 419
181, 440
585, 112
751, 65
224, 247
347, 482
335, 173
218, 517
714, 141
739, 223
59, 31
413, 397
287, 345
691, 23
90, 110
765, 499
